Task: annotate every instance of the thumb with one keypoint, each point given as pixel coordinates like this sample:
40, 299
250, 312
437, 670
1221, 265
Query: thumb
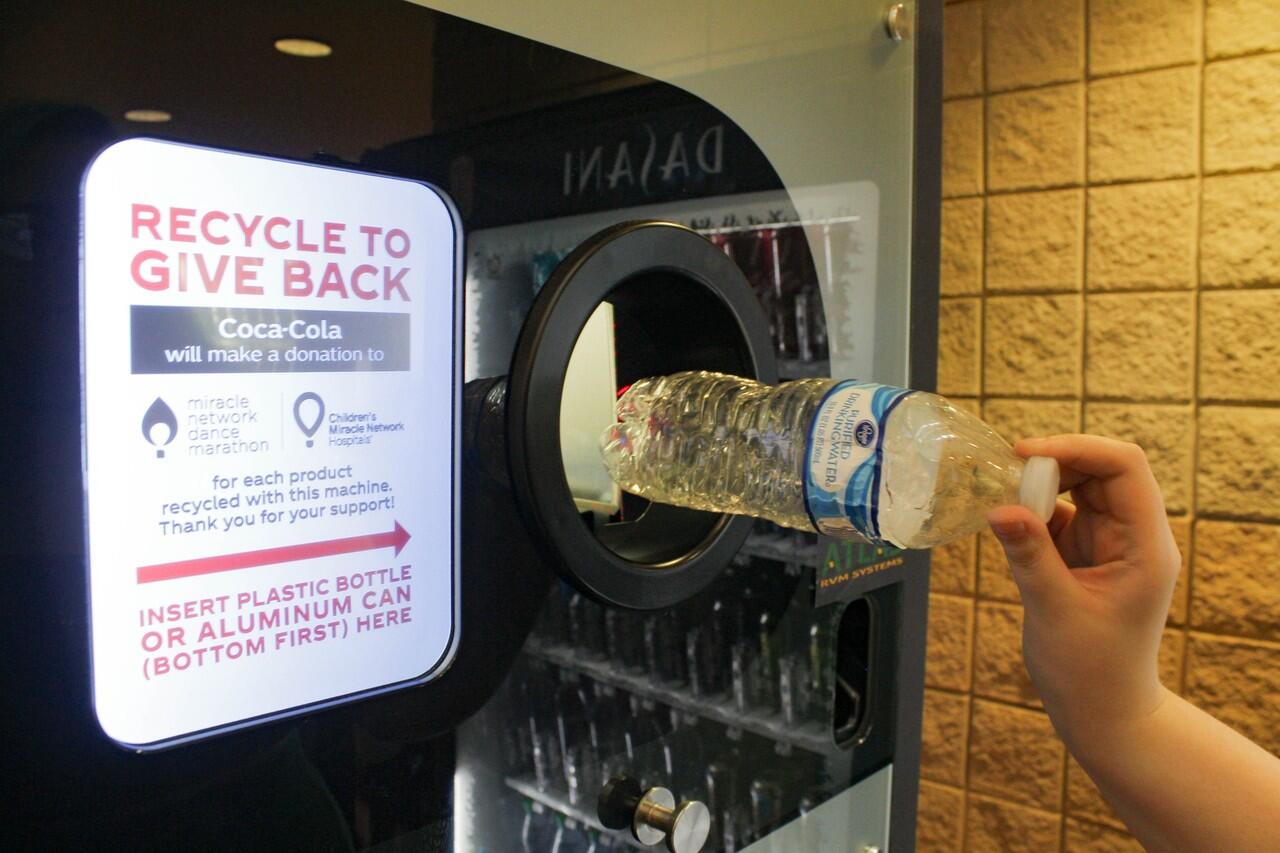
1038, 568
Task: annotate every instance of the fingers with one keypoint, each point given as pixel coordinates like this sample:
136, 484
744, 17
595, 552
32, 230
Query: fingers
1118, 472
1042, 577
1086, 456
1063, 513
1075, 552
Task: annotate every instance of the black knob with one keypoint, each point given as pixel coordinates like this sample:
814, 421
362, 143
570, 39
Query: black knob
618, 801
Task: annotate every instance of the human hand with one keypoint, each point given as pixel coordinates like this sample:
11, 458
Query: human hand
1095, 583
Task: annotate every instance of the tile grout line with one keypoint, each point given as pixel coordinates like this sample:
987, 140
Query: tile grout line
1115, 182
1218, 636
1119, 400
1082, 382
1198, 334
1109, 293
982, 388
1090, 77
1267, 521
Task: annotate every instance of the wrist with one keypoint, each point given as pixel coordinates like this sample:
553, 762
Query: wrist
1098, 732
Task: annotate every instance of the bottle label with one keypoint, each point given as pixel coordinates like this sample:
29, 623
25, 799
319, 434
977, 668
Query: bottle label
843, 459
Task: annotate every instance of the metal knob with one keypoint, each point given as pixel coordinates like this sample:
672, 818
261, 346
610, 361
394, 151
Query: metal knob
898, 24
653, 816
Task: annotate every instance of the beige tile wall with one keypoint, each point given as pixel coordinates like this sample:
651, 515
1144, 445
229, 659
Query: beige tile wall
1111, 263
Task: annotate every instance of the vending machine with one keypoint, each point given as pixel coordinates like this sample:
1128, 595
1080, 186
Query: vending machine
315, 313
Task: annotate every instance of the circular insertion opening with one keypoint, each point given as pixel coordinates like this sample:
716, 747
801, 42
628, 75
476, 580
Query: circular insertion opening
651, 324
637, 299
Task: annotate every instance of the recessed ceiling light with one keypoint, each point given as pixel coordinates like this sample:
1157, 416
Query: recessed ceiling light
308, 48
148, 115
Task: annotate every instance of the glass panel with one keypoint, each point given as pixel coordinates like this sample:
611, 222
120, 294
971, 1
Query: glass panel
822, 91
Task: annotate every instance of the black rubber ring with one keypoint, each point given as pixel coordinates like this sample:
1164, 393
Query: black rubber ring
692, 547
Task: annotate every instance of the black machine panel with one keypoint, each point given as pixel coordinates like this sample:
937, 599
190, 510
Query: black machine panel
757, 670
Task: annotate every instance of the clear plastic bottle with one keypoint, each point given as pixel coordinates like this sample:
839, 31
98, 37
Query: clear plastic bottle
848, 459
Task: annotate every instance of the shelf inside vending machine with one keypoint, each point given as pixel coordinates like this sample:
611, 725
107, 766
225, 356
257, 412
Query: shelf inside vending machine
558, 803
811, 736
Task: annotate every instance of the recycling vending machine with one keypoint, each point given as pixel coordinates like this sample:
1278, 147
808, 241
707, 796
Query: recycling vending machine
314, 314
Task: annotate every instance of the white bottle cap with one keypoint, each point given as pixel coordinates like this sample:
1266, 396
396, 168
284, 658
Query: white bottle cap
1038, 491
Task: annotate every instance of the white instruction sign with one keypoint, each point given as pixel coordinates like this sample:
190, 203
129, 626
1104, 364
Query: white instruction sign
270, 431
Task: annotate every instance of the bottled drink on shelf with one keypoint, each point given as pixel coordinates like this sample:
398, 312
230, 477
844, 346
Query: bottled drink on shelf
707, 643
766, 802
573, 726
664, 651
586, 625
820, 668
570, 837
721, 784
811, 799
624, 638
735, 831
724, 788
553, 622
848, 459
605, 721
793, 697
766, 687
609, 714
698, 664
743, 675
545, 754
538, 831
514, 732
696, 739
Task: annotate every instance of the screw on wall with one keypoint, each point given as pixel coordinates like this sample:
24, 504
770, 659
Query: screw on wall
898, 22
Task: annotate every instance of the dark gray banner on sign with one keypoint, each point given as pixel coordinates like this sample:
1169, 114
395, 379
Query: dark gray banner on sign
256, 340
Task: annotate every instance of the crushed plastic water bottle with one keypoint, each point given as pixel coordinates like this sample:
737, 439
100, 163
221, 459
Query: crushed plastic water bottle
854, 460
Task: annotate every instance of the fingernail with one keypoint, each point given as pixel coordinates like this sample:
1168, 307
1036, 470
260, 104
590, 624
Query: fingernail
1009, 531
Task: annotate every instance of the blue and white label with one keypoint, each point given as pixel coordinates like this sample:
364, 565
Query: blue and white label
843, 460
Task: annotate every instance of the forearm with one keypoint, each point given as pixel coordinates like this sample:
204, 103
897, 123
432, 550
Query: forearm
1183, 781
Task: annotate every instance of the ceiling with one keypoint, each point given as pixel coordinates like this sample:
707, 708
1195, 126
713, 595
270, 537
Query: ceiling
214, 68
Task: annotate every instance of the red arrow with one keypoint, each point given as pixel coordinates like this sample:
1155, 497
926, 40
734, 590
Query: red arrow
267, 556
